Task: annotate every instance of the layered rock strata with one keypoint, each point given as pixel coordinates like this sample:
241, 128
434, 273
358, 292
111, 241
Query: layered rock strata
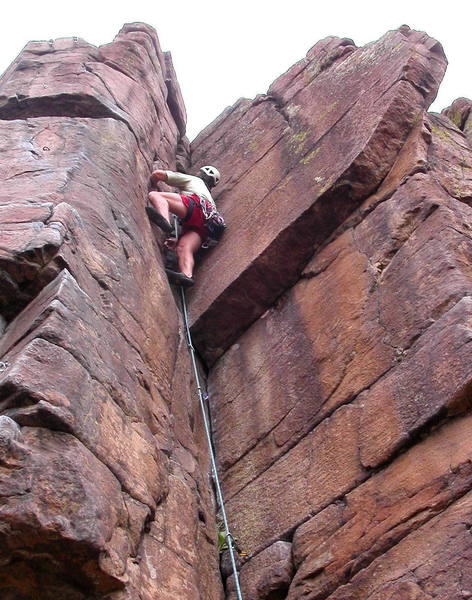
460, 113
336, 318
316, 146
103, 473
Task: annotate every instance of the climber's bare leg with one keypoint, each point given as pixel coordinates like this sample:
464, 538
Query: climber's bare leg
187, 246
165, 202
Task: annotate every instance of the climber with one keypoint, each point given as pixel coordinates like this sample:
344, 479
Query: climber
201, 222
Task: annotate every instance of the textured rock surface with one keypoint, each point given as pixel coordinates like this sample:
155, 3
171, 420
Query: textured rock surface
345, 538
297, 162
430, 562
268, 575
338, 322
103, 477
460, 113
335, 317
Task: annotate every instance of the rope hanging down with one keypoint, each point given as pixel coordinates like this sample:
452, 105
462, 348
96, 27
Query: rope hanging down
219, 494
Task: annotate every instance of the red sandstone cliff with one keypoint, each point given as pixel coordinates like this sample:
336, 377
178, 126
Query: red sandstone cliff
105, 488
334, 317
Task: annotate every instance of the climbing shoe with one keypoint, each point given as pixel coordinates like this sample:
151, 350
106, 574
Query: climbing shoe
179, 278
159, 220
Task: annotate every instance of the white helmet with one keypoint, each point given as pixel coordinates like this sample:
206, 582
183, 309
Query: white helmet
212, 173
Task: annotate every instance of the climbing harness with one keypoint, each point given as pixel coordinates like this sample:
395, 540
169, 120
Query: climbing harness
215, 226
202, 397
214, 222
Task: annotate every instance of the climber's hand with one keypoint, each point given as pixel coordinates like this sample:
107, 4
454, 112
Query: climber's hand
158, 175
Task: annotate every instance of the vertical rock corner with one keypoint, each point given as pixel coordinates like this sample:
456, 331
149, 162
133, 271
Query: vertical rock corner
333, 320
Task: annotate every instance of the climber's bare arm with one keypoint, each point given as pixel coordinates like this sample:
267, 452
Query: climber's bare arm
158, 175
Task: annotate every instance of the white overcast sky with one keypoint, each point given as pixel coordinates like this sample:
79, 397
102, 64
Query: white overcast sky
225, 50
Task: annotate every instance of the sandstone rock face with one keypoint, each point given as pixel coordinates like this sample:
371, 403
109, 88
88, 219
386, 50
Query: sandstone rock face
347, 537
460, 113
268, 575
335, 316
103, 472
298, 161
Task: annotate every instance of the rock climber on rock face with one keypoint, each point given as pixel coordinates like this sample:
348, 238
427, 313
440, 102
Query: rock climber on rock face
201, 222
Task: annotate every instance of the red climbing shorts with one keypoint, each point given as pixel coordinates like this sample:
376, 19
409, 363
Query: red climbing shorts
197, 220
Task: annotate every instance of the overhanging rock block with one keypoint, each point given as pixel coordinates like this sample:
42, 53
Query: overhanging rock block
339, 328
332, 144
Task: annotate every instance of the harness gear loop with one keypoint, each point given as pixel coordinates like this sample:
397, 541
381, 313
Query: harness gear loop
219, 494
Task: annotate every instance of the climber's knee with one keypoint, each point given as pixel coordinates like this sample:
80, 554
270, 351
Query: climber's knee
153, 197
